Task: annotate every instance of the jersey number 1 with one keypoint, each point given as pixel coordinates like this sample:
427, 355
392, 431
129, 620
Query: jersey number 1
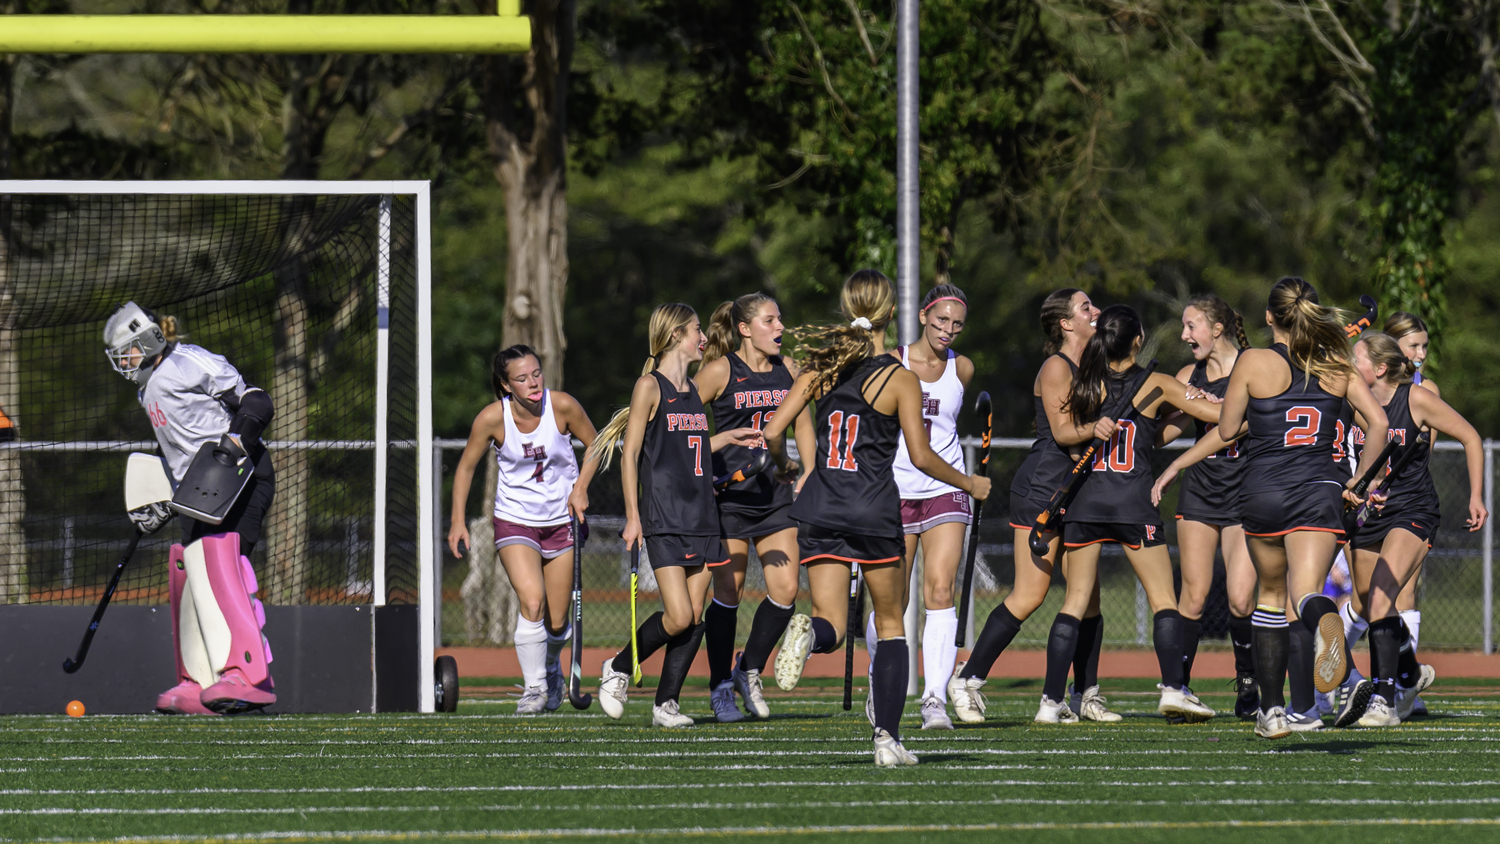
849, 429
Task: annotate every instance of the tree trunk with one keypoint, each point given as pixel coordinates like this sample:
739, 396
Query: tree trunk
532, 172
12, 484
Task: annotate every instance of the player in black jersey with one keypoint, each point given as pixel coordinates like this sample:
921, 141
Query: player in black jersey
667, 478
1209, 503
850, 510
1114, 505
1067, 318
1292, 400
1390, 547
744, 379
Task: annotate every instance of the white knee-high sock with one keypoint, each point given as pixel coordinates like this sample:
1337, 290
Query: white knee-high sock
531, 651
1413, 619
870, 640
938, 652
555, 645
1354, 624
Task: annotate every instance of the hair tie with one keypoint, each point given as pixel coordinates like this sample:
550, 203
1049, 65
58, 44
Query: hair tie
942, 298
862, 322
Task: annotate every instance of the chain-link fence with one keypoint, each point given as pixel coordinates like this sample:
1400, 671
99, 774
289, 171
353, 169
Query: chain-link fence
1455, 591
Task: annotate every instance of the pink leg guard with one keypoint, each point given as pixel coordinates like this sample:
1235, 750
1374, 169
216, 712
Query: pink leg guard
183, 698
247, 575
244, 678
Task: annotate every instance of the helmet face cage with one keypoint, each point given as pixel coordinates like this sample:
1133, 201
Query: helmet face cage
132, 339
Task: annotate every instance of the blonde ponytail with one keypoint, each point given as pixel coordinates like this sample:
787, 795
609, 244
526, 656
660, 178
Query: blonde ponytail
170, 329
868, 301
667, 324
1316, 339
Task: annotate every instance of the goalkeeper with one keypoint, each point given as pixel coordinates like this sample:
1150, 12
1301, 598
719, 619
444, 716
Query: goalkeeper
196, 398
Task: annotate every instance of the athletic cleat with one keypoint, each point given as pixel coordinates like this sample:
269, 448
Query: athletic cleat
1327, 704
533, 701
935, 714
747, 683
666, 715
1054, 712
1246, 698
183, 699
1093, 707
614, 690
1379, 714
725, 712
968, 700
795, 647
555, 686
889, 753
1272, 724
234, 693
1183, 704
1419, 708
1353, 700
1305, 722
870, 708
1329, 666
1406, 699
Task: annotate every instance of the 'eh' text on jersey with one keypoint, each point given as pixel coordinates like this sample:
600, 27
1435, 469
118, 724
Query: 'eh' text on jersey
687, 422
930, 405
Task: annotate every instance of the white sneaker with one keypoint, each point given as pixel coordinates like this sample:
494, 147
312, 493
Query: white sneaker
795, 647
1271, 723
533, 701
666, 715
725, 712
747, 683
1379, 714
1093, 707
870, 708
1305, 722
1054, 712
889, 753
555, 686
1406, 699
613, 690
968, 700
1329, 666
1183, 704
935, 714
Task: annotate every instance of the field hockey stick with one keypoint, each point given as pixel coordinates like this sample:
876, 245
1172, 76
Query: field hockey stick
576, 695
1362, 515
1356, 328
635, 650
757, 464
856, 579
1069, 490
72, 665
986, 413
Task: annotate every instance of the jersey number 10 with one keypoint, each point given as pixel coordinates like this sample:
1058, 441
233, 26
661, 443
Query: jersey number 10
1119, 453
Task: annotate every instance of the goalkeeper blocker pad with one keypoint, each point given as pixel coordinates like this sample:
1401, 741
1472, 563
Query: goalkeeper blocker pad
213, 482
146, 481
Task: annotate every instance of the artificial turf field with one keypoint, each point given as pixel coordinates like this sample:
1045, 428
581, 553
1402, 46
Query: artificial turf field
804, 776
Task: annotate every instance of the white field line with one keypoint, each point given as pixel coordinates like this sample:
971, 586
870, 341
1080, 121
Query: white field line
515, 834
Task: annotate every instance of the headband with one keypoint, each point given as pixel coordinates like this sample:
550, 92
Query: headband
941, 298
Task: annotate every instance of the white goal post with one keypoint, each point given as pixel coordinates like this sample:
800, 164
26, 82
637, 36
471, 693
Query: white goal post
428, 582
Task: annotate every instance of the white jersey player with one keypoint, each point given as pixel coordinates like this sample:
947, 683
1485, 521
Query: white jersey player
540, 487
193, 398
932, 512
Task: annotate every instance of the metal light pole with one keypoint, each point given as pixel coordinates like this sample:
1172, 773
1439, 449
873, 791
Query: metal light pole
908, 251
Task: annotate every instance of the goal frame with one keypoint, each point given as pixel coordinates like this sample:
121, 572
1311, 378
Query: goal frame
428, 584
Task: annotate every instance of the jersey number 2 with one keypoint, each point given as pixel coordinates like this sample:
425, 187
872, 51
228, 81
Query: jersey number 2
1306, 421
849, 429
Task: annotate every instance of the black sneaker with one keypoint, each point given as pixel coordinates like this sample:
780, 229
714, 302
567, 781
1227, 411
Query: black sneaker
1247, 698
1353, 700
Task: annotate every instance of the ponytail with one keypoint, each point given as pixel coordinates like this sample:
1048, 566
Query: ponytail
1118, 328
724, 326
868, 301
1382, 348
667, 324
1218, 312
1316, 339
501, 360
1057, 307
171, 329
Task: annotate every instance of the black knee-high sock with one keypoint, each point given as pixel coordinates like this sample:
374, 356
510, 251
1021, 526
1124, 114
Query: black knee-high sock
649, 638
1313, 610
1272, 649
1385, 655
679, 660
1244, 645
719, 628
1192, 631
1300, 670
825, 638
1166, 636
1086, 658
770, 622
1062, 643
888, 685
999, 630
1408, 670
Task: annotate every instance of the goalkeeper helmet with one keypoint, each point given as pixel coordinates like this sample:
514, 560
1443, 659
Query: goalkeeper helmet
132, 342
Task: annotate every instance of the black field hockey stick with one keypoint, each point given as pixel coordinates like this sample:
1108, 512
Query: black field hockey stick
72, 665
758, 463
1069, 490
1411, 453
1356, 328
635, 578
856, 609
986, 414
575, 672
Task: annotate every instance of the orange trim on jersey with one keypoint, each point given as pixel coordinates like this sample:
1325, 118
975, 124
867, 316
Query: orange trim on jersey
847, 559
1099, 541
723, 562
1295, 529
1029, 527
